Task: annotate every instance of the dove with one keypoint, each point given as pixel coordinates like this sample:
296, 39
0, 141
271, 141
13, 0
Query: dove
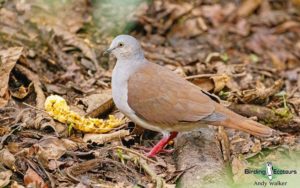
158, 99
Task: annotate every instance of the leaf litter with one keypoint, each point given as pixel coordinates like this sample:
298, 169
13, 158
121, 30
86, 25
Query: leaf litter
245, 53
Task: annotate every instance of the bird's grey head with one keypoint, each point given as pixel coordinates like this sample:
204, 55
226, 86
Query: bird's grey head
125, 47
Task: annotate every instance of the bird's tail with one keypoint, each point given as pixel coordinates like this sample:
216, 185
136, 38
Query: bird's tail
241, 123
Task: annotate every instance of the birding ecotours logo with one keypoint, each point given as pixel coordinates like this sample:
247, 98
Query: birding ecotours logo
268, 173
269, 170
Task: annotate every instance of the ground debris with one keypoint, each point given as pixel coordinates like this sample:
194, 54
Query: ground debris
247, 53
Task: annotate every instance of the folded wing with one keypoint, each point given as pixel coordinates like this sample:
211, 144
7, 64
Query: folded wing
158, 95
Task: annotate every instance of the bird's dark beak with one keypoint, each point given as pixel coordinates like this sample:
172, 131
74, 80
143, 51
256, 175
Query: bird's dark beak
108, 51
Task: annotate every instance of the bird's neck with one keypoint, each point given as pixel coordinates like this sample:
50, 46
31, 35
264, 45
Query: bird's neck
132, 56
139, 54
125, 68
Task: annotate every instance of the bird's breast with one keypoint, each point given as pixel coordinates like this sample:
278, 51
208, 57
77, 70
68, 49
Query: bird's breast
120, 92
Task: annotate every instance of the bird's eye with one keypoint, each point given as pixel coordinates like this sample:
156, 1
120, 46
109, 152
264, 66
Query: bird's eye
121, 44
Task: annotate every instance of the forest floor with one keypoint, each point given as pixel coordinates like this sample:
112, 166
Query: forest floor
245, 52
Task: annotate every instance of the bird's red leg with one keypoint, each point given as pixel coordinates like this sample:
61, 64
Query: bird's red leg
161, 144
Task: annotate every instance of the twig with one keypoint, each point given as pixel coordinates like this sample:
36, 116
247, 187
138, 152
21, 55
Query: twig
135, 153
102, 138
199, 76
17, 127
223, 138
158, 180
47, 173
33, 107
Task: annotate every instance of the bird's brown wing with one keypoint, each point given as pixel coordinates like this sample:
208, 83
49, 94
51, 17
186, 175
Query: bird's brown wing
160, 96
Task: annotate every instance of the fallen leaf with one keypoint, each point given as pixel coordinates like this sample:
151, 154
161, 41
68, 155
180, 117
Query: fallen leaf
256, 146
22, 91
215, 82
286, 26
49, 151
8, 159
260, 92
273, 18
9, 58
51, 148
220, 81
5, 178
296, 2
248, 7
16, 185
190, 27
203, 82
70, 145
73, 40
32, 179
213, 13
242, 28
277, 62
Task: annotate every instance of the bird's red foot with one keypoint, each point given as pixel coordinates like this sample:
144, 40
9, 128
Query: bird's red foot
146, 149
161, 144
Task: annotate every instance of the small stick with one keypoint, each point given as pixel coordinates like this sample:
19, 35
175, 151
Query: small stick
135, 153
33, 107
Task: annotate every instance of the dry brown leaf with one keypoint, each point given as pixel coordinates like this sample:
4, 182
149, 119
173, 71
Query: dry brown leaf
191, 27
72, 40
162, 16
242, 27
248, 7
64, 27
16, 185
5, 178
215, 82
220, 81
286, 26
204, 83
261, 92
8, 159
70, 145
8, 21
40, 97
272, 18
277, 62
32, 179
59, 14
50, 148
9, 58
213, 13
256, 146
296, 2
22, 91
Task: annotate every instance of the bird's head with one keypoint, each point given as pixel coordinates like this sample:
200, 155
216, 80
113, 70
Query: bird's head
125, 47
